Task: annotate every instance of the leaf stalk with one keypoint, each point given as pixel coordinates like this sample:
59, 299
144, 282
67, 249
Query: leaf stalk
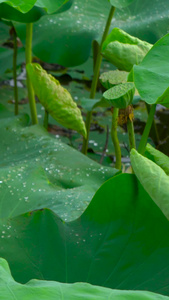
28, 53
96, 77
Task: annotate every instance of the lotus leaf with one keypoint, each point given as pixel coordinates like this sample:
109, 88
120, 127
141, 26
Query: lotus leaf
121, 95
40, 171
124, 50
48, 290
111, 78
56, 99
10, 13
41, 8
52, 5
116, 243
151, 75
158, 157
154, 180
120, 3
21, 5
85, 21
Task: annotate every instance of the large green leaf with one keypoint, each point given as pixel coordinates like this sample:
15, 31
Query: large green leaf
69, 36
21, 5
51, 5
124, 50
120, 3
41, 8
151, 75
9, 13
56, 99
154, 180
38, 170
48, 290
116, 243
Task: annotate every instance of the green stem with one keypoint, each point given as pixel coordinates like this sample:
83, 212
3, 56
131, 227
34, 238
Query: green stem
46, 117
154, 127
143, 142
115, 138
15, 50
96, 77
31, 96
130, 129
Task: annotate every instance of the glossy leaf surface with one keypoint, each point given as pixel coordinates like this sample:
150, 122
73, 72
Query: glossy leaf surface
38, 170
85, 21
112, 244
56, 99
153, 179
121, 95
124, 50
151, 75
48, 290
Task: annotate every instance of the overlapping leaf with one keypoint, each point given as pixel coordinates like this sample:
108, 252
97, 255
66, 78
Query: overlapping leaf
38, 170
21, 5
41, 8
85, 22
158, 157
116, 243
154, 180
50, 290
52, 5
151, 75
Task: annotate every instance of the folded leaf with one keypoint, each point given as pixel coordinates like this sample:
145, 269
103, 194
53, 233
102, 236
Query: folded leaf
121, 95
56, 99
124, 50
153, 179
158, 157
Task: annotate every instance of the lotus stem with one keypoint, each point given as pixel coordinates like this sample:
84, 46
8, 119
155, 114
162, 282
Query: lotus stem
154, 127
31, 95
46, 118
143, 142
130, 129
96, 77
106, 145
15, 50
115, 138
